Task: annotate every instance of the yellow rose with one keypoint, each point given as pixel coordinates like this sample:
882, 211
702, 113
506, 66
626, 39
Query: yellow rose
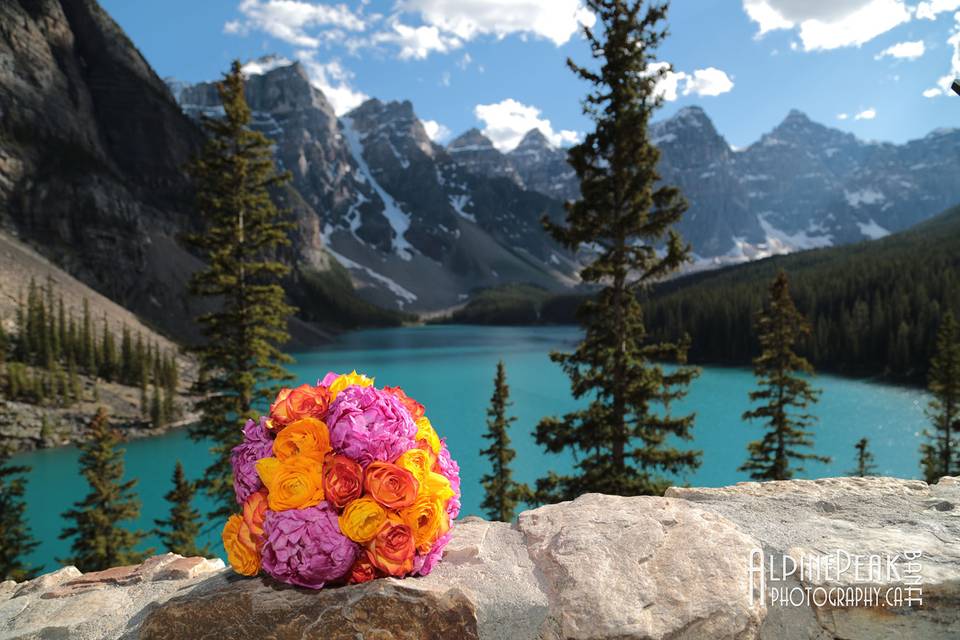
417, 461
304, 437
427, 519
425, 432
294, 483
436, 486
241, 549
348, 379
361, 519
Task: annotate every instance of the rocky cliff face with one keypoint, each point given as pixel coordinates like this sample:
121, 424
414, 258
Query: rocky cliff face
682, 567
416, 226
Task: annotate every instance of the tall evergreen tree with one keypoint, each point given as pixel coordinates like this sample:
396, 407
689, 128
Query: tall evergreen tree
940, 454
619, 440
501, 492
783, 390
179, 532
865, 466
16, 540
99, 539
241, 356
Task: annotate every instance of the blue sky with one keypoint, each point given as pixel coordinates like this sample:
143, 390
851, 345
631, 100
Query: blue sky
871, 67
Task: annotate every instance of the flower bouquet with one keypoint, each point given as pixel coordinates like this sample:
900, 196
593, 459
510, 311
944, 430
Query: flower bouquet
341, 484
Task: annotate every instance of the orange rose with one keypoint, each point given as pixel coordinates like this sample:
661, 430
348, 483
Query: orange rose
392, 549
342, 480
294, 483
362, 571
415, 408
304, 437
303, 402
427, 519
362, 519
254, 511
392, 486
241, 549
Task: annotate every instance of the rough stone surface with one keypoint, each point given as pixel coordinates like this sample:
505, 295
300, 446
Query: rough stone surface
810, 519
600, 567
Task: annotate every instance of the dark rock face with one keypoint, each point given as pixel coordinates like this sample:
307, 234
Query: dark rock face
93, 145
544, 168
264, 609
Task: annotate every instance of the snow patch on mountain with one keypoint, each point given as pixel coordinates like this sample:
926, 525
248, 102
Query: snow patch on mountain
459, 203
403, 295
863, 196
399, 220
872, 230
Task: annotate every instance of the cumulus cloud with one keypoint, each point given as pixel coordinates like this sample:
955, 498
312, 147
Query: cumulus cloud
506, 122
829, 25
333, 80
702, 82
903, 50
288, 20
554, 20
944, 82
929, 10
866, 114
416, 42
842, 116
435, 131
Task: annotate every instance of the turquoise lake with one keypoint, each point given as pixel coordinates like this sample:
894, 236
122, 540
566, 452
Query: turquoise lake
450, 369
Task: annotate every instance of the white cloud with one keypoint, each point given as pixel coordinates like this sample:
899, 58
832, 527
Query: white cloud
929, 10
842, 116
829, 25
417, 42
904, 50
702, 82
944, 82
263, 65
465, 61
866, 114
334, 81
555, 20
287, 20
506, 122
435, 131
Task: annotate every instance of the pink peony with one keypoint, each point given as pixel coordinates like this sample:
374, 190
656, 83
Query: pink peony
451, 471
423, 564
368, 424
305, 547
256, 444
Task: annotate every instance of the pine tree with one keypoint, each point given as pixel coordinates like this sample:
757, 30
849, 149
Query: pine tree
940, 455
88, 344
865, 466
619, 441
782, 388
99, 540
108, 353
16, 540
502, 493
179, 533
241, 356
156, 409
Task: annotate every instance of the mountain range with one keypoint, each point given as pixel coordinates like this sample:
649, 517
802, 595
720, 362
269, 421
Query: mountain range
93, 147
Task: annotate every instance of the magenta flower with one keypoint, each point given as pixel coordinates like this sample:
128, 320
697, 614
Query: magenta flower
450, 470
328, 379
305, 547
423, 564
368, 424
257, 444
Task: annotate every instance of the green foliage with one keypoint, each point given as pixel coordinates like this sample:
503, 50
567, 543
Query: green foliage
501, 491
940, 454
16, 540
243, 231
619, 441
509, 304
874, 307
865, 466
179, 532
783, 387
99, 540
